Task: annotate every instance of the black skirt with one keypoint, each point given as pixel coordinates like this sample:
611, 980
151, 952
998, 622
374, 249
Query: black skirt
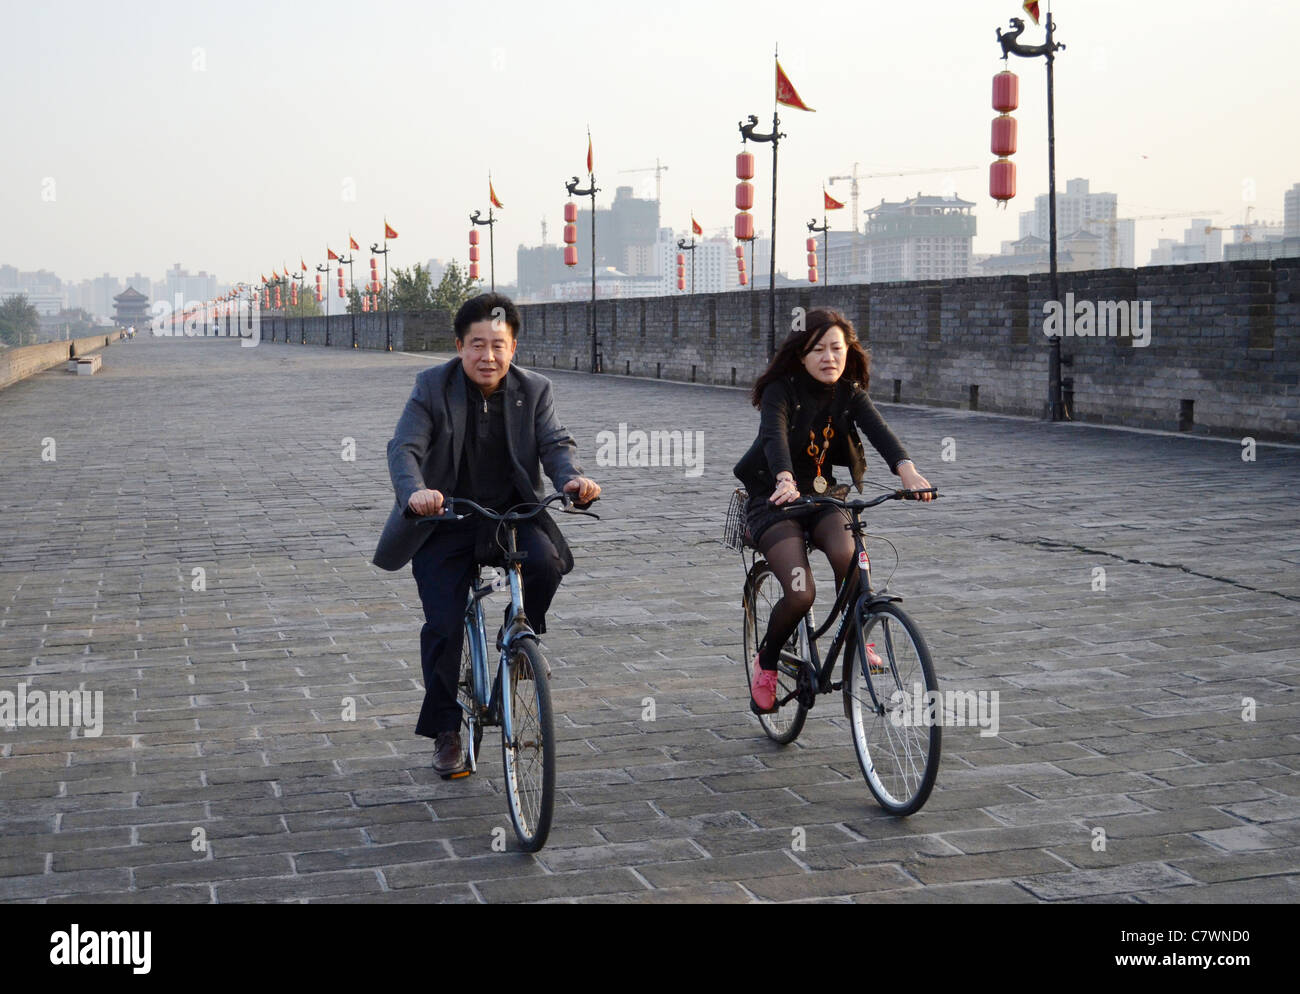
761, 514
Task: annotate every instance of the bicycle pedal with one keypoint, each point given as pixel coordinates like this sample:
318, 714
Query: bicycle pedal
460, 775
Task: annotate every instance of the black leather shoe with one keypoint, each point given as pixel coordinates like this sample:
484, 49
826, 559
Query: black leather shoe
449, 755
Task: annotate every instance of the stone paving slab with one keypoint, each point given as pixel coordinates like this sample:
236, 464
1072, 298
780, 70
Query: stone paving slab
1148, 738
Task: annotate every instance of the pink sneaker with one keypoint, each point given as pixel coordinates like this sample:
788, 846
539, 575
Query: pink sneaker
874, 662
762, 689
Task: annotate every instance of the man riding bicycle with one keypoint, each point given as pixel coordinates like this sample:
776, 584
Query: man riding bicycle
475, 427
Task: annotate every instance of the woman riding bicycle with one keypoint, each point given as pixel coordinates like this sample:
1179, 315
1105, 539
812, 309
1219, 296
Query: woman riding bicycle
810, 397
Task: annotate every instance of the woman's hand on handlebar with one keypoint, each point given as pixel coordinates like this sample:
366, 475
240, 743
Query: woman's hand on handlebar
785, 491
426, 503
912, 480
585, 489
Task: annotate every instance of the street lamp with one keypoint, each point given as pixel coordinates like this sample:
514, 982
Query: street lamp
1010, 46
376, 250
491, 223
826, 247
591, 191
684, 246
351, 285
324, 268
748, 134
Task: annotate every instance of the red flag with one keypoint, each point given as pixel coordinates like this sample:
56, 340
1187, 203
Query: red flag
492, 195
330, 254
831, 204
785, 91
304, 264
388, 231
588, 152
695, 226
353, 243
1031, 8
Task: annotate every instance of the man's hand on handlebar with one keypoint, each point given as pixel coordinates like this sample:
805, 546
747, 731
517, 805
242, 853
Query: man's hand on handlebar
426, 502
585, 489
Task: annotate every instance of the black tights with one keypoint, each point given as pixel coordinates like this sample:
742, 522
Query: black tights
783, 546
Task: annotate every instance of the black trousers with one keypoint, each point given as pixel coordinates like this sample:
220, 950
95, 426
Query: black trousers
444, 567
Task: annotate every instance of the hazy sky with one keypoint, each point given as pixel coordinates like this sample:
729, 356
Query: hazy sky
229, 136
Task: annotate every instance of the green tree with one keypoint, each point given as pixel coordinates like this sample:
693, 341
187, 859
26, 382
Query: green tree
456, 288
412, 289
18, 321
306, 307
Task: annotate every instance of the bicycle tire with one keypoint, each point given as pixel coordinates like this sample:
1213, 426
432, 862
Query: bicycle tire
470, 718
898, 759
529, 757
762, 591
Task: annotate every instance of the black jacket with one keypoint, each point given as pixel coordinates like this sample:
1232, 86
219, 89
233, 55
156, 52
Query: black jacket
786, 413
426, 448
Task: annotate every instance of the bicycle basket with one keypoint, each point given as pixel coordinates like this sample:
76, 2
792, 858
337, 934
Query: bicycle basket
734, 533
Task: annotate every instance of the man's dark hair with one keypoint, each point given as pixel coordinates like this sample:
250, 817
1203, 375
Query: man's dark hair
487, 307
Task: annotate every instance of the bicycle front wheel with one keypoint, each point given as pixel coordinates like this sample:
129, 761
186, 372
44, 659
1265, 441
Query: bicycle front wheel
529, 752
889, 669
762, 591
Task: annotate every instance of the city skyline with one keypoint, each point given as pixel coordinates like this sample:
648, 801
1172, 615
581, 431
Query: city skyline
218, 144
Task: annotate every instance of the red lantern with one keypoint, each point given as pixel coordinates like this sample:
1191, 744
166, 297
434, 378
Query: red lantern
681, 283
319, 296
473, 237
744, 226
1002, 180
681, 272
810, 245
570, 212
1004, 135
1006, 91
473, 270
740, 265
570, 234
374, 263
812, 260
812, 276
341, 291
340, 272
744, 280
570, 255
277, 298
744, 165
740, 252
681, 258
744, 196
473, 253
365, 304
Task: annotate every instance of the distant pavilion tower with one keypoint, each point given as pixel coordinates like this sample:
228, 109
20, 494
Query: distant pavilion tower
131, 307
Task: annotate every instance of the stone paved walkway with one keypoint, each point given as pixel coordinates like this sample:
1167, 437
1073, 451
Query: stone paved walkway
1120, 709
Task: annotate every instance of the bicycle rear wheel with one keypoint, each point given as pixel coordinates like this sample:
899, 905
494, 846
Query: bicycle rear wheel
762, 591
899, 756
529, 753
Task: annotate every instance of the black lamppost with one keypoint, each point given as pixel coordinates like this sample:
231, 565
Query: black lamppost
591, 191
684, 246
747, 133
352, 310
325, 268
1010, 46
491, 223
376, 250
826, 245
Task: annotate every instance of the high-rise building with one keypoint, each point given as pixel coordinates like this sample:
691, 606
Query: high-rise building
1202, 242
540, 268
1079, 210
715, 264
626, 225
1291, 212
191, 286
921, 238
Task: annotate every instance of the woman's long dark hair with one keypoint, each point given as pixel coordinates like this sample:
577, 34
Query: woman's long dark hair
789, 357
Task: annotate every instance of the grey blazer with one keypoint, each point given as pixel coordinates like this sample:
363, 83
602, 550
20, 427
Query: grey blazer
425, 452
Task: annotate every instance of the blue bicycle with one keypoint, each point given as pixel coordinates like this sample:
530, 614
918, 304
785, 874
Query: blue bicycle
522, 710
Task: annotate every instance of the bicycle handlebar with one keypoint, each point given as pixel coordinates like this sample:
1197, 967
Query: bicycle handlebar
862, 505
571, 507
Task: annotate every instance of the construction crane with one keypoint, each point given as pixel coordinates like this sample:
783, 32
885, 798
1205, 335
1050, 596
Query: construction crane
853, 190
543, 230
658, 170
1112, 226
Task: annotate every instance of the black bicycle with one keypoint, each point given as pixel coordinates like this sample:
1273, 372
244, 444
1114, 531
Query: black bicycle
523, 710
887, 680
